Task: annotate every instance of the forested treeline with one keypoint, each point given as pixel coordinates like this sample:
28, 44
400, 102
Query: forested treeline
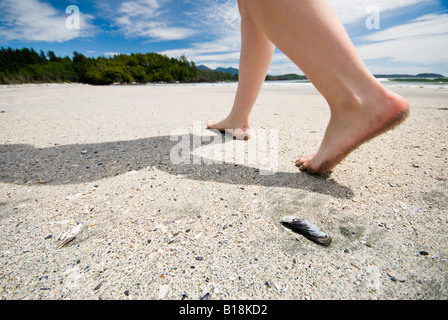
27, 66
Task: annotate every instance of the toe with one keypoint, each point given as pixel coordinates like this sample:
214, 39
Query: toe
308, 164
300, 163
303, 160
304, 166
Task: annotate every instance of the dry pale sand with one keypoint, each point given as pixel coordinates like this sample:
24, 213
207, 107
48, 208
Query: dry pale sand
153, 229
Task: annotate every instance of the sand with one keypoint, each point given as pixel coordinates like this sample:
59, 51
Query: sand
153, 229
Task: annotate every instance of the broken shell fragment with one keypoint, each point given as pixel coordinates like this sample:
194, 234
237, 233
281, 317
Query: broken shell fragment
69, 236
306, 229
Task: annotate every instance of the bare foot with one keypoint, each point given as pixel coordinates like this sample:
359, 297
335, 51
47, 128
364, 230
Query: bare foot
238, 129
351, 126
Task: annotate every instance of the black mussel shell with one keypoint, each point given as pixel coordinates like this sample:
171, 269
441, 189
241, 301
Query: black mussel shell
307, 229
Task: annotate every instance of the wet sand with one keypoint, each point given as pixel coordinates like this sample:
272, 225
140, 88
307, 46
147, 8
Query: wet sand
153, 229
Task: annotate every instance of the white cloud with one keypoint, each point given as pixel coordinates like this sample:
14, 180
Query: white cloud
210, 58
221, 19
111, 54
224, 16
281, 64
138, 8
163, 33
383, 69
145, 18
229, 59
221, 22
423, 40
38, 21
427, 25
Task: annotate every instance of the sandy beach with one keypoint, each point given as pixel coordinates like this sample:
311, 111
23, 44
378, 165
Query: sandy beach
154, 229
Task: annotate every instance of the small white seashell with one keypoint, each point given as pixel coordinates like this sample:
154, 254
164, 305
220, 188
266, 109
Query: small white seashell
198, 235
70, 235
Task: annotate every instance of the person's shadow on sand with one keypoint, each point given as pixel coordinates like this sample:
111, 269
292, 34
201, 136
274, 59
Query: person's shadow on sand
83, 163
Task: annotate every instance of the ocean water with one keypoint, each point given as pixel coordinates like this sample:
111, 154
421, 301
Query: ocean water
406, 83
439, 83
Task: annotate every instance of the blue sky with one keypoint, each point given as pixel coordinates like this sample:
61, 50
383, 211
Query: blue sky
412, 35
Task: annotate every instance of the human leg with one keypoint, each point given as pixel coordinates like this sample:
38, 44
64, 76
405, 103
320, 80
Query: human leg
311, 35
256, 55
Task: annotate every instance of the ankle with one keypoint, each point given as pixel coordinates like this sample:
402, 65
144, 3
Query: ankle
379, 100
239, 122
346, 104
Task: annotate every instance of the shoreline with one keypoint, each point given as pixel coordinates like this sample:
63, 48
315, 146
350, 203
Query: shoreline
389, 82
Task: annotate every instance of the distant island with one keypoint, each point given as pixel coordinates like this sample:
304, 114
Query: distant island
27, 66
230, 70
293, 76
205, 74
418, 77
289, 76
404, 76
